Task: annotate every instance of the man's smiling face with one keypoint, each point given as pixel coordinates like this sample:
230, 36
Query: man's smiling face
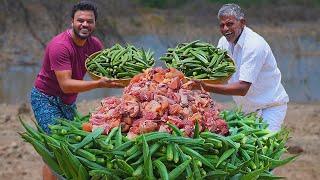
83, 23
231, 27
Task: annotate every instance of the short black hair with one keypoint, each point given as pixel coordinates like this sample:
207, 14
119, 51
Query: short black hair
84, 5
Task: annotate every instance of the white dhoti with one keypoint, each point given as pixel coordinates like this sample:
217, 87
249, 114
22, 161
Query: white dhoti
274, 116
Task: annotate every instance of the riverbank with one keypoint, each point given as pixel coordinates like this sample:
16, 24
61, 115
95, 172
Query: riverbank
21, 162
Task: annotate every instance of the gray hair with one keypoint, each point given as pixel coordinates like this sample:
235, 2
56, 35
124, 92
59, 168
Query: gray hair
231, 10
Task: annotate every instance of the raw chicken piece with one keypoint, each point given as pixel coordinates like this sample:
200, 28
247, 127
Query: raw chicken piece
154, 98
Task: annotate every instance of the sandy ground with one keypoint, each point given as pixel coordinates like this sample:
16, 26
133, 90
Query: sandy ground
20, 161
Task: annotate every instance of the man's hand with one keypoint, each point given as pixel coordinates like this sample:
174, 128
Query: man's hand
107, 83
196, 84
191, 85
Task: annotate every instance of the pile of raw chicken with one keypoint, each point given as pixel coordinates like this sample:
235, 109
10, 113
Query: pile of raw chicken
155, 98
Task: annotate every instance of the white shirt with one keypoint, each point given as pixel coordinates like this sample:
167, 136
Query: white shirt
256, 64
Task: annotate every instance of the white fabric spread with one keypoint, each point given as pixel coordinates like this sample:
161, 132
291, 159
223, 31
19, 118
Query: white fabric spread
255, 64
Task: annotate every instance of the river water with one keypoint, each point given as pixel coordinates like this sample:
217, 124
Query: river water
298, 58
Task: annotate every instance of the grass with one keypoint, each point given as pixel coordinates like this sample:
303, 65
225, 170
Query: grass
163, 4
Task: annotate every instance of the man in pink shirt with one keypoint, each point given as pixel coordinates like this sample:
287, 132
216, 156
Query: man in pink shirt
61, 76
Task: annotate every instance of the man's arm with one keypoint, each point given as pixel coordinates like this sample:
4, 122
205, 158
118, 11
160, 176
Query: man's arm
239, 88
69, 85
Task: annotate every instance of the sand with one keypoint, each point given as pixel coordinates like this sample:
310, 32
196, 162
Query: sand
20, 161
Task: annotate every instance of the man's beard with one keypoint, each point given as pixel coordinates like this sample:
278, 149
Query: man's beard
76, 32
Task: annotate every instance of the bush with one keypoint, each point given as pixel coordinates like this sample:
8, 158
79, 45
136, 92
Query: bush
162, 4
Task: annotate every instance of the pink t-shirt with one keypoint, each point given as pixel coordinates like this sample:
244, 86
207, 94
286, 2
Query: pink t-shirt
63, 54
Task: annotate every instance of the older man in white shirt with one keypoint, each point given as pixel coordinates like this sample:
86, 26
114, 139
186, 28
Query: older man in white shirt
256, 85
